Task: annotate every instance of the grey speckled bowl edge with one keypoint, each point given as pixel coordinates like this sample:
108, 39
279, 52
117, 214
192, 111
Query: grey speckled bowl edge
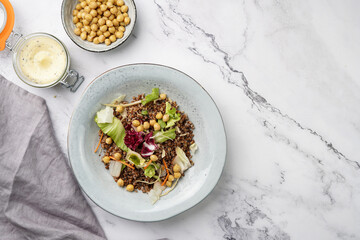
66, 18
168, 206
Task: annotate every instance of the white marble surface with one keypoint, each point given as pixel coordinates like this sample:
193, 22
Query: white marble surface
293, 124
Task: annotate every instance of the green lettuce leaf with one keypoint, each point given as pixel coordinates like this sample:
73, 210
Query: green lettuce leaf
105, 115
115, 130
150, 171
135, 158
181, 159
162, 136
151, 97
174, 117
144, 112
162, 123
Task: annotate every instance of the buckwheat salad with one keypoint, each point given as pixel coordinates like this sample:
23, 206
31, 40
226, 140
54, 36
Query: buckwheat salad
146, 144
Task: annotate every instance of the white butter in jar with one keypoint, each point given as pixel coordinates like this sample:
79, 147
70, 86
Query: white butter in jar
42, 60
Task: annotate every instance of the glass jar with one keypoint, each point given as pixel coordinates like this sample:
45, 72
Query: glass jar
39, 59
67, 77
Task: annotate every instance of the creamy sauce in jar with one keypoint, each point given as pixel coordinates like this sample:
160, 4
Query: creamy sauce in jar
42, 60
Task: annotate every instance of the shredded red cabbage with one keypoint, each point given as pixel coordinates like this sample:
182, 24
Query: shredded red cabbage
148, 146
132, 138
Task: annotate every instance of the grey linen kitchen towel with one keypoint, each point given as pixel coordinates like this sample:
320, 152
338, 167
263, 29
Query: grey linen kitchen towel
39, 197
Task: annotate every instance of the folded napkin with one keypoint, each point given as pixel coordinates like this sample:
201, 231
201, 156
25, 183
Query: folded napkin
39, 197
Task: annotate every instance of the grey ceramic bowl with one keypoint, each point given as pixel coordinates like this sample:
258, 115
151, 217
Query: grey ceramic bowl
209, 133
66, 17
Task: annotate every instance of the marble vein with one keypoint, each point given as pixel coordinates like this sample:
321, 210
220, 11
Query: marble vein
233, 75
255, 223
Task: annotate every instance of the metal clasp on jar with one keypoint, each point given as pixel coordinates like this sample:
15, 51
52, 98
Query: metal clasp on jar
73, 80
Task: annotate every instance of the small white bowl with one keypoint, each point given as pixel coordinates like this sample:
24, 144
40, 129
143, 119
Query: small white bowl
67, 8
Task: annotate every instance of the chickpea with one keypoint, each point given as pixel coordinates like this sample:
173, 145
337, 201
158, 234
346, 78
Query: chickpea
119, 109
87, 9
108, 140
99, 33
96, 40
139, 128
99, 12
88, 17
124, 8
83, 35
119, 3
75, 12
95, 20
93, 13
176, 168
122, 28
109, 5
153, 158
125, 15
111, 30
107, 34
136, 123
115, 22
83, 4
106, 159
101, 21
117, 156
103, 28
93, 5
119, 34
120, 18
159, 115
163, 96
78, 7
145, 124
101, 38
114, 10
75, 20
120, 182
87, 29
86, 22
152, 122
83, 14
171, 178
168, 183
79, 15
89, 38
130, 188
94, 27
122, 24
107, 13
127, 20
177, 175
157, 127
92, 34
103, 7
112, 17
166, 117
109, 23
77, 31
79, 25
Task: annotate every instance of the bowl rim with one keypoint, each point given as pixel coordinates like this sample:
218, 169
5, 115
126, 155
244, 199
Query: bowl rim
182, 211
96, 51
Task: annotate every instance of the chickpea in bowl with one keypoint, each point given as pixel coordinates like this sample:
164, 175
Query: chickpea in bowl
98, 25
